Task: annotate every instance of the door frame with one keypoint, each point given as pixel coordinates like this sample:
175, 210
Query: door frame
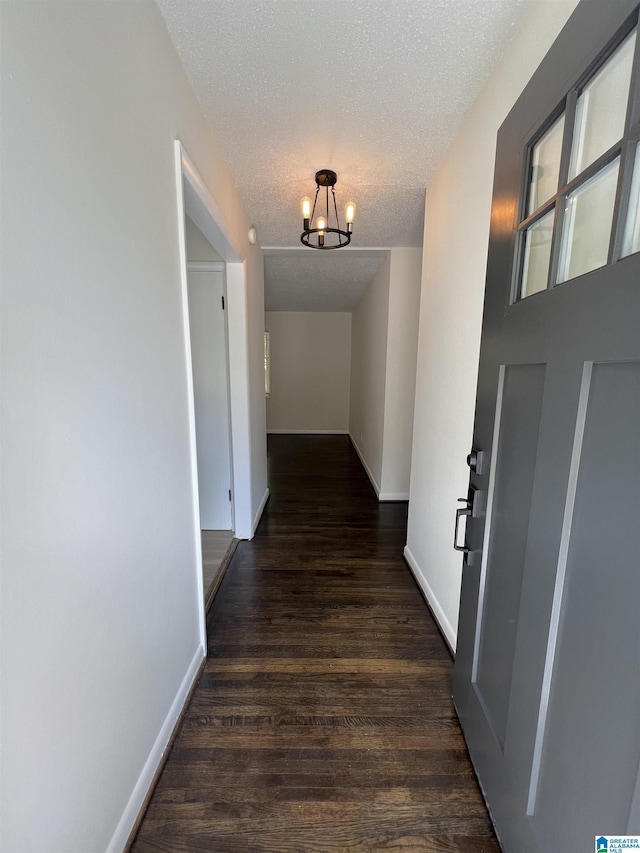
195, 200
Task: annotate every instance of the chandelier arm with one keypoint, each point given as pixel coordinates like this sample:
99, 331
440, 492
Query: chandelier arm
335, 207
315, 200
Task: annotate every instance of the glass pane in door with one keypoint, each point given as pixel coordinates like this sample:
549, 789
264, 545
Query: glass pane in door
632, 229
537, 253
601, 109
587, 224
545, 166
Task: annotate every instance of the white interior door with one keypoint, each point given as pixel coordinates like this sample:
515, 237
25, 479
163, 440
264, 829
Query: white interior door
207, 323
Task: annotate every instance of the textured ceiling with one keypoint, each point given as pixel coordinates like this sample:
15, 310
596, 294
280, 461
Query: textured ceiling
374, 90
308, 280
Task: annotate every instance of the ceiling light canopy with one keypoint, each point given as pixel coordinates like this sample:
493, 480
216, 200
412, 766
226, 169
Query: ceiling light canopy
326, 233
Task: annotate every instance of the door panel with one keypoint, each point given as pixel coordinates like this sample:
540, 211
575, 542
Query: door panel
547, 676
210, 388
595, 685
522, 392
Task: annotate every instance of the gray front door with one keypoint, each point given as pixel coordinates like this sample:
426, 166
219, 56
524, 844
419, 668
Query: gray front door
547, 677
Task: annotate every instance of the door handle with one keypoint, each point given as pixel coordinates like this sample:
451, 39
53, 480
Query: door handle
462, 510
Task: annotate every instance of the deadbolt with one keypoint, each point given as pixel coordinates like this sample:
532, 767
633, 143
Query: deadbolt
477, 460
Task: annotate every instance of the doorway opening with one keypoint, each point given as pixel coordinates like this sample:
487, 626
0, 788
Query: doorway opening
216, 355
210, 370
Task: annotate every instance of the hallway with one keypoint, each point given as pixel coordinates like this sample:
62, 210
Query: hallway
323, 719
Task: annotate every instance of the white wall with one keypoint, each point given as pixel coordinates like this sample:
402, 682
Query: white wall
368, 372
254, 277
198, 247
100, 588
383, 371
458, 206
400, 379
310, 371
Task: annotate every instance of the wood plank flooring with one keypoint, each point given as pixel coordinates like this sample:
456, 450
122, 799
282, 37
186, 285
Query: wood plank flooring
215, 545
323, 720
218, 547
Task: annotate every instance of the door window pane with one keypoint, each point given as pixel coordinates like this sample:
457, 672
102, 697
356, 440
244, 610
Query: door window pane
537, 253
632, 229
587, 224
545, 166
601, 109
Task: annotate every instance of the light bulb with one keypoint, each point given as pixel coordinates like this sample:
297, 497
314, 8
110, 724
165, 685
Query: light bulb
349, 213
306, 210
321, 224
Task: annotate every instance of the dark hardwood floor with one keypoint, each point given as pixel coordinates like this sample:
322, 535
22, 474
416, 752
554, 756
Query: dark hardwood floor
323, 719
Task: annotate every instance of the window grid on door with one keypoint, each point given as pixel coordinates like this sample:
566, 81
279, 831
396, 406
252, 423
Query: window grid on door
582, 212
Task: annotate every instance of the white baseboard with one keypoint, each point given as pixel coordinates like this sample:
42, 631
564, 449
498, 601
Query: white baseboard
146, 778
393, 496
307, 432
375, 485
434, 604
258, 515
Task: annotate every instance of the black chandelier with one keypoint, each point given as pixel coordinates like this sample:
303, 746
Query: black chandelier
316, 238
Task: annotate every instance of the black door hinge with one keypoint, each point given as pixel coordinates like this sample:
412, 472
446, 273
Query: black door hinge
223, 303
229, 494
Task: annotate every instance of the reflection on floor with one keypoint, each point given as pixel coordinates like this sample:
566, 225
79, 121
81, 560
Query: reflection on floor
218, 547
